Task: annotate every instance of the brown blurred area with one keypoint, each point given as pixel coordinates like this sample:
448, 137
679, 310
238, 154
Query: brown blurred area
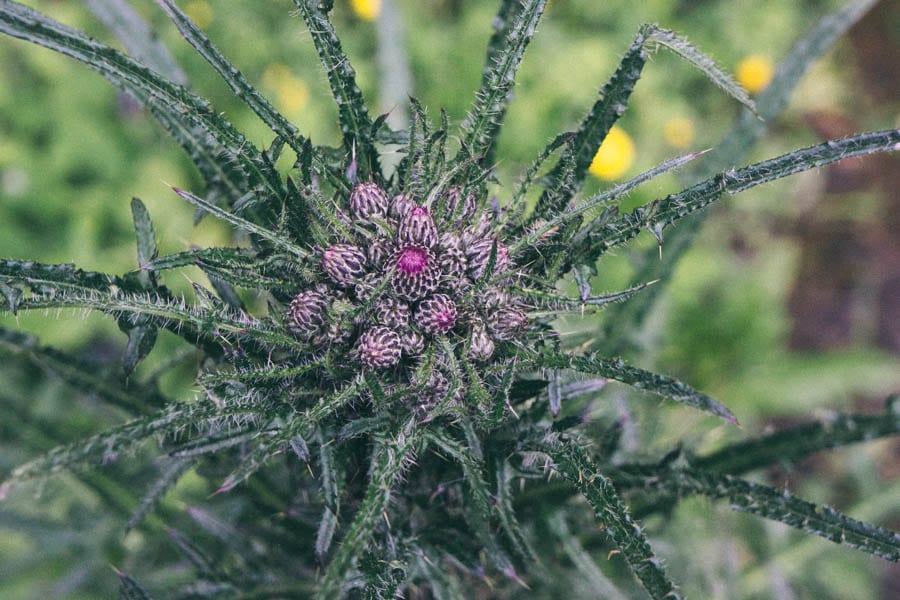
847, 289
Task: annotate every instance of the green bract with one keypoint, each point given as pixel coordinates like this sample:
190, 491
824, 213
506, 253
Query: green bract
408, 357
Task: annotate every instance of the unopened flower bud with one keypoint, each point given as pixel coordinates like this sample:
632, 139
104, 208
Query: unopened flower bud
507, 323
306, 314
482, 346
379, 250
401, 204
379, 347
344, 263
412, 342
392, 313
436, 314
452, 263
417, 227
457, 209
368, 200
478, 255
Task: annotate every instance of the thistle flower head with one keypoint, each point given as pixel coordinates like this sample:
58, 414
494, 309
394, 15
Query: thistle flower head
408, 283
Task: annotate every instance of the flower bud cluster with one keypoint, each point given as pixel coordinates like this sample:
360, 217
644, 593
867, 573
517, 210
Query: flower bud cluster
408, 279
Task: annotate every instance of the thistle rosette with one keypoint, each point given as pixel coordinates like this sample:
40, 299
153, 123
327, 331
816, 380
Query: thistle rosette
416, 289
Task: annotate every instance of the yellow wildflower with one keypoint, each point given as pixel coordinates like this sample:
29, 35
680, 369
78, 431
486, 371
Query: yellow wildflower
291, 92
755, 72
615, 155
679, 132
200, 12
367, 10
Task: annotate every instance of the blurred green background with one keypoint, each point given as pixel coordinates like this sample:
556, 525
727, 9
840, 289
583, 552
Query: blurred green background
787, 307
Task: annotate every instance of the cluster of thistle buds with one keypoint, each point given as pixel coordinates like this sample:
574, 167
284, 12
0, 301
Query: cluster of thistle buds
409, 276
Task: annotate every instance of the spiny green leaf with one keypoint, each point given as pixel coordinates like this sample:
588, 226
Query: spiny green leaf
601, 199
172, 314
661, 213
44, 278
353, 114
573, 463
212, 444
568, 175
230, 164
525, 184
506, 513
582, 559
482, 126
705, 64
270, 443
129, 589
391, 460
173, 470
107, 445
204, 134
732, 150
784, 507
243, 224
82, 376
138, 38
204, 564
240, 86
616, 369
556, 304
261, 375
141, 339
146, 242
798, 442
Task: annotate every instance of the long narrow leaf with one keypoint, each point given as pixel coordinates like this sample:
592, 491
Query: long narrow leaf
568, 175
82, 376
573, 463
391, 461
138, 38
661, 213
353, 114
784, 507
239, 84
705, 64
241, 223
482, 126
617, 370
221, 153
798, 442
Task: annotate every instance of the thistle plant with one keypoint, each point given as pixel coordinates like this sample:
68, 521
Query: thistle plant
399, 417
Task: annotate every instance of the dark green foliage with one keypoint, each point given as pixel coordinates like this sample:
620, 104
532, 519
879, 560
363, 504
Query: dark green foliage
392, 422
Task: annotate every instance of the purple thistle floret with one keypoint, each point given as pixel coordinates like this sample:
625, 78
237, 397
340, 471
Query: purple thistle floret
415, 272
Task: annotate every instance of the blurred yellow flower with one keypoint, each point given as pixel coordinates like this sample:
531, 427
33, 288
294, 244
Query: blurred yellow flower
755, 72
615, 155
367, 10
291, 92
200, 12
679, 132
